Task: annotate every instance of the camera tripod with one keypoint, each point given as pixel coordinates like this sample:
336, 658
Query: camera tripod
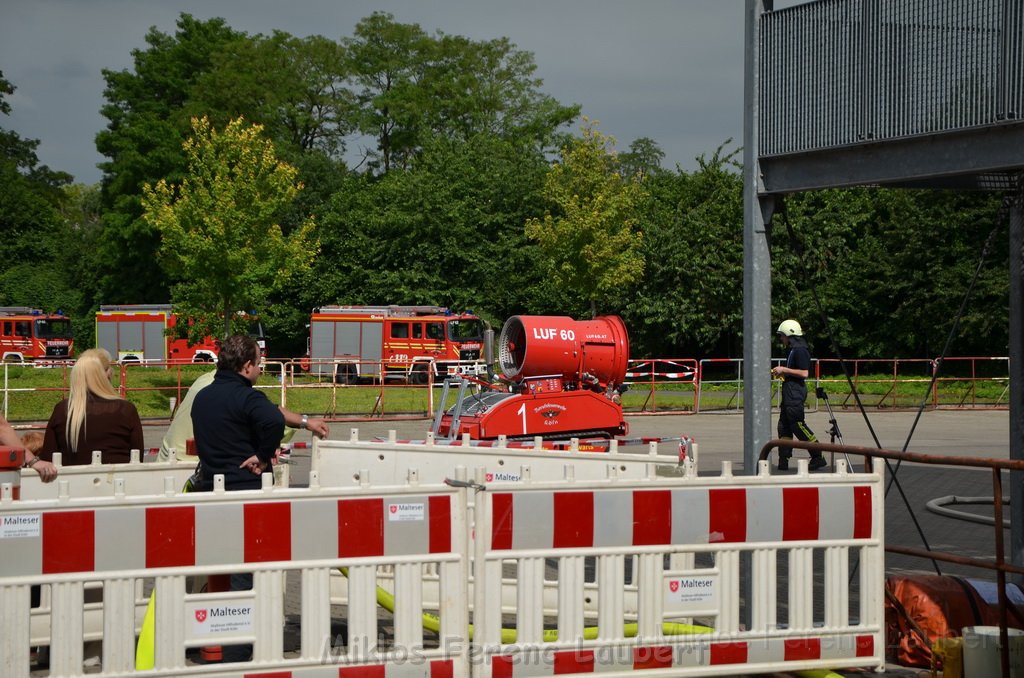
834, 434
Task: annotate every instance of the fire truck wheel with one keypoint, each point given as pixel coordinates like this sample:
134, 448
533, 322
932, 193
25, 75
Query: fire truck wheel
419, 374
345, 374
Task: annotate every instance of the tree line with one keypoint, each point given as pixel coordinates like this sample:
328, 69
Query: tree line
394, 166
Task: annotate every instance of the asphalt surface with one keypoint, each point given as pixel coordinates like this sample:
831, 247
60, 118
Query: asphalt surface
981, 433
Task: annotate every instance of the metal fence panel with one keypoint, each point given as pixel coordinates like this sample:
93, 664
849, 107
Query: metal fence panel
840, 72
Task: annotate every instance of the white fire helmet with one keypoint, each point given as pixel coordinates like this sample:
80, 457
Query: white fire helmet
790, 328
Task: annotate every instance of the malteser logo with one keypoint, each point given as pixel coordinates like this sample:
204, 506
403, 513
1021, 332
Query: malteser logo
674, 585
200, 616
503, 476
406, 511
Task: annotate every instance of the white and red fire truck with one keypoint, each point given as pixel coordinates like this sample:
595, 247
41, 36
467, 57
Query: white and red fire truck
354, 343
145, 333
29, 334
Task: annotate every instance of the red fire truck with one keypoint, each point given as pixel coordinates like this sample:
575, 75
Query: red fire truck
30, 334
144, 333
353, 343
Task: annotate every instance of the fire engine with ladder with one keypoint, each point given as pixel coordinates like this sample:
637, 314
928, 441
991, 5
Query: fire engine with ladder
31, 335
407, 343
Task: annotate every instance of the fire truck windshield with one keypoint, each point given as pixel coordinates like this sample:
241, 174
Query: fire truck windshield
465, 330
53, 328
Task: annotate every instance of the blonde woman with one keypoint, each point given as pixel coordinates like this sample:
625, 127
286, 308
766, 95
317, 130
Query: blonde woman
92, 417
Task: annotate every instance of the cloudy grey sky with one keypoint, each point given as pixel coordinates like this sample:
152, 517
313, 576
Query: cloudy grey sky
671, 70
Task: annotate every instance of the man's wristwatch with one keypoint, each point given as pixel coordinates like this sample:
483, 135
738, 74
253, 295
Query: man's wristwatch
33, 462
305, 421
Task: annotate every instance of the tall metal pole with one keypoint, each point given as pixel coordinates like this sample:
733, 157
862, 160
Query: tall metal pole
757, 265
1016, 355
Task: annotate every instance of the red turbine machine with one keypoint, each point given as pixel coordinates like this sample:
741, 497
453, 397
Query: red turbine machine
561, 378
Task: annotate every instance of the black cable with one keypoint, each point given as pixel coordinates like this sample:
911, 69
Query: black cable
956, 323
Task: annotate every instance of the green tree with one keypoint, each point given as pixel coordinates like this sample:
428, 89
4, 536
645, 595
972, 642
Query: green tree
81, 259
386, 59
891, 269
643, 158
220, 232
592, 242
294, 87
689, 302
147, 124
446, 231
410, 86
32, 231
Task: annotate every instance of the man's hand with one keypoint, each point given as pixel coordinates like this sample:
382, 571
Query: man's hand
318, 427
254, 464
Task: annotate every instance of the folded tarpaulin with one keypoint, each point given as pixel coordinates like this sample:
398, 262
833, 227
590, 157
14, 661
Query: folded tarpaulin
940, 607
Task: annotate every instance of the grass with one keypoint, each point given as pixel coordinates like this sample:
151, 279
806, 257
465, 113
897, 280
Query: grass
29, 393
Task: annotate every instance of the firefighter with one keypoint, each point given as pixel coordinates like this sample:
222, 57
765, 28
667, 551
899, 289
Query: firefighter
794, 391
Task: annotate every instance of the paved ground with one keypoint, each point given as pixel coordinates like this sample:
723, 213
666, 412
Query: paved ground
719, 437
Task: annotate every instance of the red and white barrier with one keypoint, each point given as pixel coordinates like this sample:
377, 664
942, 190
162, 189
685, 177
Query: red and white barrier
581, 551
656, 369
97, 479
118, 541
11, 461
339, 463
600, 527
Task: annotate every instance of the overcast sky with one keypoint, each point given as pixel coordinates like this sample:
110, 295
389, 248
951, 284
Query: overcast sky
671, 70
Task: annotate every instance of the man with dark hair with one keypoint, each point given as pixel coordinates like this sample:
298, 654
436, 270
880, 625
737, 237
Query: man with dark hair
794, 391
237, 431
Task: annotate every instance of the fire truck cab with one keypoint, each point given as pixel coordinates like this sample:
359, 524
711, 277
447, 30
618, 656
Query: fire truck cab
358, 343
29, 334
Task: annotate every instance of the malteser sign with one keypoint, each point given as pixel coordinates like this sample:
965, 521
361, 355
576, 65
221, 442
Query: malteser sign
20, 526
691, 593
403, 512
216, 619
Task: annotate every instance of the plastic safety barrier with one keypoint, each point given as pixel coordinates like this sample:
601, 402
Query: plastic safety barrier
97, 479
388, 462
590, 530
104, 480
696, 561
340, 462
119, 541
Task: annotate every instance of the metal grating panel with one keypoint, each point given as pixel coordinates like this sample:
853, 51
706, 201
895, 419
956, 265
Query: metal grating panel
840, 72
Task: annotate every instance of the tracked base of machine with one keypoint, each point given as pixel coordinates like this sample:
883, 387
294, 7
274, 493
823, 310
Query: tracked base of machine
549, 415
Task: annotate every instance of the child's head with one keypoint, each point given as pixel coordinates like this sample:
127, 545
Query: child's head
33, 441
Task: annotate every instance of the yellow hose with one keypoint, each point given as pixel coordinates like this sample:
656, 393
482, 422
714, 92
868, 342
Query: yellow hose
145, 657
432, 623
145, 654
